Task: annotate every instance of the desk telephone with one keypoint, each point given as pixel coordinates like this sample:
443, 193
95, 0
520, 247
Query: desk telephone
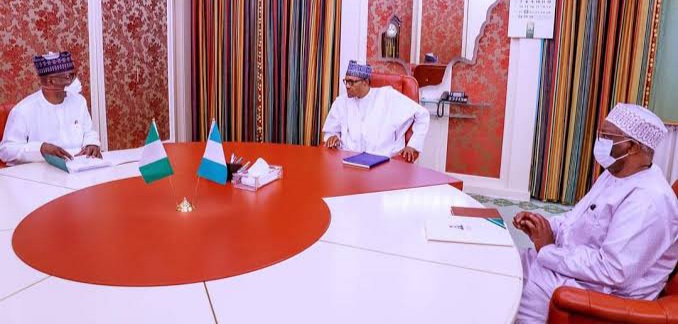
450, 97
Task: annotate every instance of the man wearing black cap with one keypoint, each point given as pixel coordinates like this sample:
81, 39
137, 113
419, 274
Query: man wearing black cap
50, 121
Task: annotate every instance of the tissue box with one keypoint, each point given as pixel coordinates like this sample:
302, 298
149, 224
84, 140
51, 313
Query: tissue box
242, 181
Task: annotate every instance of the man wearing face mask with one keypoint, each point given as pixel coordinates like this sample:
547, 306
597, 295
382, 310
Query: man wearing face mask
620, 239
51, 120
374, 120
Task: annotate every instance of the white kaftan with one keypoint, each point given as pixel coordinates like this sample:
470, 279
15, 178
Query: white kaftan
620, 239
377, 122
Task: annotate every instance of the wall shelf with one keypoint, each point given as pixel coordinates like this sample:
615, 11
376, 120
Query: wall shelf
451, 112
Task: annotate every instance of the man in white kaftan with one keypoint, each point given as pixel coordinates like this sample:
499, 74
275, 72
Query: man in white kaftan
51, 120
375, 120
620, 239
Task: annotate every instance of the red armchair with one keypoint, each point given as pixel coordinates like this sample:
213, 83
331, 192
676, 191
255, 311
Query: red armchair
4, 114
573, 305
407, 85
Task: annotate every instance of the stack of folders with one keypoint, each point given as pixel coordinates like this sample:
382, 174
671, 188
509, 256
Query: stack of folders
365, 160
469, 225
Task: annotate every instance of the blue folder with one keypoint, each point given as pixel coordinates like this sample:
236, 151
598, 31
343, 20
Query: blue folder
365, 160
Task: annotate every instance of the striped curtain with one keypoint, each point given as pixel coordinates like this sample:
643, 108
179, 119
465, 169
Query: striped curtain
266, 70
599, 56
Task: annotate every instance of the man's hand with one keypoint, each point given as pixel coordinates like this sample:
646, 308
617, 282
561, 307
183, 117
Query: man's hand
333, 141
536, 227
409, 154
90, 151
519, 222
47, 148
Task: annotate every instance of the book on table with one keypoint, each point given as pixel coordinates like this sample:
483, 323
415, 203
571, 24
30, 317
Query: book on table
490, 214
365, 160
471, 230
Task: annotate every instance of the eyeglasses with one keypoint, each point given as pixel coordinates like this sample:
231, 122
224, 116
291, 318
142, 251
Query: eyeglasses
64, 77
350, 83
605, 135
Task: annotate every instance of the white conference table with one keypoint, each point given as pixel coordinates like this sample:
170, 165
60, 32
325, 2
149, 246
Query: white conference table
373, 265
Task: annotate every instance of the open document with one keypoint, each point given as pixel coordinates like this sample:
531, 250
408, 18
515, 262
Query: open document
472, 230
84, 163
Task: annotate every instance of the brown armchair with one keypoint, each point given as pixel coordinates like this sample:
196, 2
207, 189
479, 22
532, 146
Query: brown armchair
574, 305
4, 114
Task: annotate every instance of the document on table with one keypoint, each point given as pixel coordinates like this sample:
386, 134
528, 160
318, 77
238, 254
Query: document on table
83, 163
472, 230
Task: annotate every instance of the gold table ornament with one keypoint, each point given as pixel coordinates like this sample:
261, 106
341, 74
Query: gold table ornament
185, 206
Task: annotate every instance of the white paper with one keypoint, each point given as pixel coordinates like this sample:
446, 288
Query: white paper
82, 163
111, 158
123, 156
472, 230
260, 167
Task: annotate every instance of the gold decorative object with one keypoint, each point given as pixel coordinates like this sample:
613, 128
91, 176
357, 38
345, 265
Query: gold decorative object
185, 206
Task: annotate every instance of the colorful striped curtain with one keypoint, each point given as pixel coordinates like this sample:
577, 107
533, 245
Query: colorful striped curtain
599, 56
266, 70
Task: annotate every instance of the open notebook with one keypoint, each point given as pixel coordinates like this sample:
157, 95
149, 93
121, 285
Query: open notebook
472, 230
83, 163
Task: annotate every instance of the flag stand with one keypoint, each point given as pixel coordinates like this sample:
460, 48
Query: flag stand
195, 193
184, 206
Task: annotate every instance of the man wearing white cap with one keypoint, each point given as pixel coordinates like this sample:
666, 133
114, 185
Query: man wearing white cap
51, 120
620, 239
374, 120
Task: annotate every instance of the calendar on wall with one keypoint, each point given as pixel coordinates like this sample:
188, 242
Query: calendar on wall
532, 18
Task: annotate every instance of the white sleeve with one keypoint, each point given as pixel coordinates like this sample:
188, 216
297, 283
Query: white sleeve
636, 238
333, 122
419, 128
90, 136
15, 147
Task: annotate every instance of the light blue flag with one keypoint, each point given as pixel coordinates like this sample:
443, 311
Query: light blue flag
213, 165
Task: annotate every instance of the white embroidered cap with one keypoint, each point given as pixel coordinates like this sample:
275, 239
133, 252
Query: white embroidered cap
638, 123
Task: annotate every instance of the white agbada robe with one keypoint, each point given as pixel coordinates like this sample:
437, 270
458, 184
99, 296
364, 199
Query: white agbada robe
620, 239
377, 123
34, 121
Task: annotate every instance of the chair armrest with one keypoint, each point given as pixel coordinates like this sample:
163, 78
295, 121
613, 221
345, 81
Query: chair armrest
574, 305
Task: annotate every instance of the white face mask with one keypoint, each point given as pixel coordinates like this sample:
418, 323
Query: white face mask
602, 151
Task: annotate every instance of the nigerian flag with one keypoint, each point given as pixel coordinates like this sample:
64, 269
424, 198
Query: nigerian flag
154, 164
213, 163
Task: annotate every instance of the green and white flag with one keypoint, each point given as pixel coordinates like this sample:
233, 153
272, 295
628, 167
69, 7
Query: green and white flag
154, 164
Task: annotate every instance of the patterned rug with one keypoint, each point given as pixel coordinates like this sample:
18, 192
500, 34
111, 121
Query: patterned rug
509, 208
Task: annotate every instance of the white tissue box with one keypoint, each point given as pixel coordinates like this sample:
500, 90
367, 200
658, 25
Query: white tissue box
243, 181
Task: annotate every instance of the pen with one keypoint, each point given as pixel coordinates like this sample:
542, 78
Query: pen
232, 157
243, 167
237, 160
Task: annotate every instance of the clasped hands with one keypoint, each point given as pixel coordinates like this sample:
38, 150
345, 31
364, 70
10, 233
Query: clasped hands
89, 151
409, 154
536, 227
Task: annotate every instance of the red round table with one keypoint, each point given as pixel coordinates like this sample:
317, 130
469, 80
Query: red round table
127, 233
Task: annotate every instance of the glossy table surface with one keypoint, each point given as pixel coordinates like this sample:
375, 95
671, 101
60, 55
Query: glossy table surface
373, 264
